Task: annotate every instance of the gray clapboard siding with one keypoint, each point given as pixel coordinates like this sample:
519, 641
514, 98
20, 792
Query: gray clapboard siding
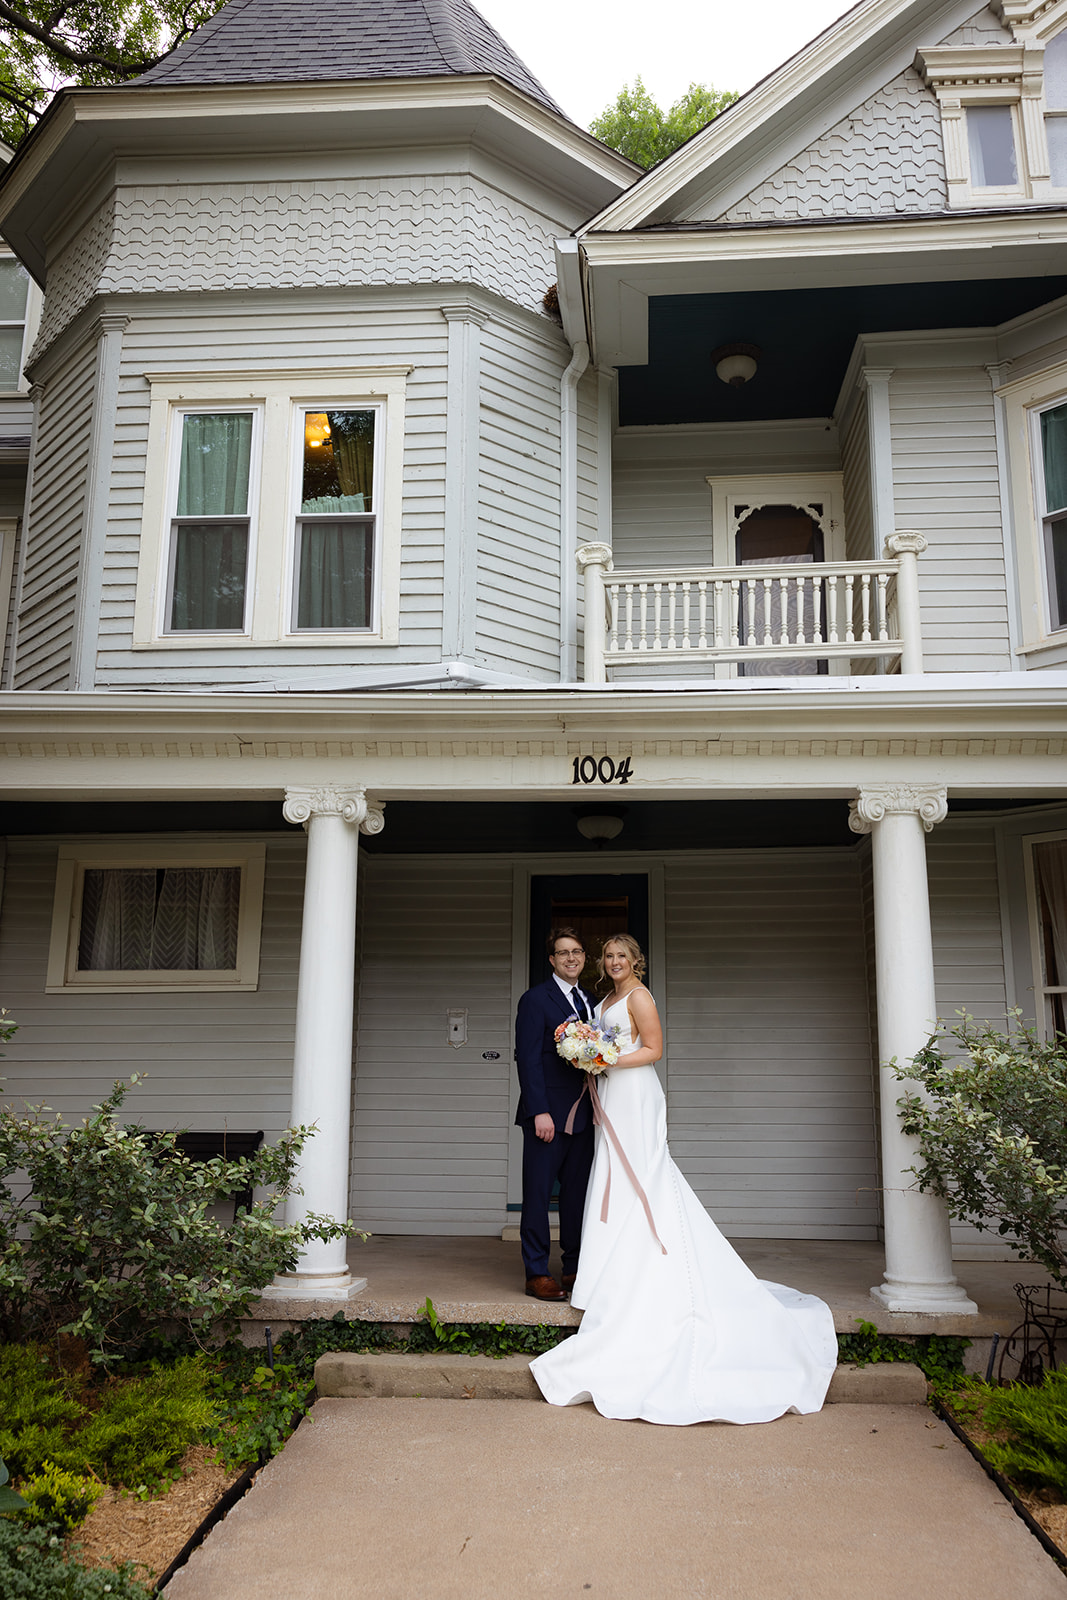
946, 486
217, 336
212, 1060
968, 952
771, 1109
518, 620
430, 1137
51, 551
661, 513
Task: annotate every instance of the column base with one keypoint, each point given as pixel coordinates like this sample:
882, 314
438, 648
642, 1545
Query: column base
310, 1286
928, 1299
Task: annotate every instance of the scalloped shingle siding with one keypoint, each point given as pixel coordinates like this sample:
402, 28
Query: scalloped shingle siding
886, 156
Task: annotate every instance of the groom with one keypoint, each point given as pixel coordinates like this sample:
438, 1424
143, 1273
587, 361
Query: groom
548, 1087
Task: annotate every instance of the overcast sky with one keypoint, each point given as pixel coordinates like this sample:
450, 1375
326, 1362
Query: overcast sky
583, 51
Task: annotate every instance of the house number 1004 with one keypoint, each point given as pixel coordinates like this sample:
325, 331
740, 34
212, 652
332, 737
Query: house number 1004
587, 769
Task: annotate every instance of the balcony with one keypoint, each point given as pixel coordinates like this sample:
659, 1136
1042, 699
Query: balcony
662, 619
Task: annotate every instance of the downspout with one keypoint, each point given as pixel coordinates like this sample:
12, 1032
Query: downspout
568, 511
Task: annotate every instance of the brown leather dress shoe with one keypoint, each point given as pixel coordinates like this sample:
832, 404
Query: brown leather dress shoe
568, 1281
544, 1288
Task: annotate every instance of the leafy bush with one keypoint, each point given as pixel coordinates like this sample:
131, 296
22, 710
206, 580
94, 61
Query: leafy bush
37, 1411
119, 1231
992, 1123
256, 1411
59, 1499
34, 1566
144, 1425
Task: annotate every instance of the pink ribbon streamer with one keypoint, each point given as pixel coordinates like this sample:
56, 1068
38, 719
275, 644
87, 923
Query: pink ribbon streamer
601, 1120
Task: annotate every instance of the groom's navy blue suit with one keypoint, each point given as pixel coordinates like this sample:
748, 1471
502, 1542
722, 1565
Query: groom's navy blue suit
549, 1084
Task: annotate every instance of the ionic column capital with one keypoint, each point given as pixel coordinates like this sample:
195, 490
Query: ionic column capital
593, 555
906, 544
351, 805
929, 802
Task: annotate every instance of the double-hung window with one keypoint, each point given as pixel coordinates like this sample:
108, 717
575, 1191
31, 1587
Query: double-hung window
14, 294
333, 549
1051, 485
272, 511
211, 528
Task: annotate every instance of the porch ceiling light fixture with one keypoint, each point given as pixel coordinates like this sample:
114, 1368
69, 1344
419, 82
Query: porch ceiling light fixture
601, 826
735, 364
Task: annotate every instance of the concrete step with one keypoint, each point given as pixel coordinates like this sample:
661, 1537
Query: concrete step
347, 1375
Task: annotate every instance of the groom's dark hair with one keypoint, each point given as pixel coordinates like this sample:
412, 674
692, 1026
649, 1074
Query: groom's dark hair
562, 933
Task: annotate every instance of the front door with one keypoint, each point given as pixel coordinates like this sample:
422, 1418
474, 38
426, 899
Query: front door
596, 905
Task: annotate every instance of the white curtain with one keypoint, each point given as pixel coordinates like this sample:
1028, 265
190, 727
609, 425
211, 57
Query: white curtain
334, 582
147, 919
1051, 863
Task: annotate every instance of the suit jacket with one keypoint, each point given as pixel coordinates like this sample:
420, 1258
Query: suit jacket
546, 1081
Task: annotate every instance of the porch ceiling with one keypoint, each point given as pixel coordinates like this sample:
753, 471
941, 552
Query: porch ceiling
806, 336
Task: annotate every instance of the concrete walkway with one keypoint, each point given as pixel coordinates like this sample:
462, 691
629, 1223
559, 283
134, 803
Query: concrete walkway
503, 1500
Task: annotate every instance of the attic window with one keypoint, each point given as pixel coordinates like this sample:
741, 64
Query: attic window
991, 140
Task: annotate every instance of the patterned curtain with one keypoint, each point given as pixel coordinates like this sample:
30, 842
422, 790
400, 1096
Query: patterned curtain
147, 919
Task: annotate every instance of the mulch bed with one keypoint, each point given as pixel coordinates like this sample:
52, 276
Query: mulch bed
1046, 1507
152, 1532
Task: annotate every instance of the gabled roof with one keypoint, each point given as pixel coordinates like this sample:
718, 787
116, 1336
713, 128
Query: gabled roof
291, 41
776, 120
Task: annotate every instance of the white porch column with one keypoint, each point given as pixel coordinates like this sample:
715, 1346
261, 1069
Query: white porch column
907, 548
918, 1246
594, 562
322, 1065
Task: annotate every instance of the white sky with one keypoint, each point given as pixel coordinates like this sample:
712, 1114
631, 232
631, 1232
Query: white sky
583, 51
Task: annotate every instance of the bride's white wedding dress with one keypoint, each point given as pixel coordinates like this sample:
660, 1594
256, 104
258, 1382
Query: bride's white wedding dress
690, 1336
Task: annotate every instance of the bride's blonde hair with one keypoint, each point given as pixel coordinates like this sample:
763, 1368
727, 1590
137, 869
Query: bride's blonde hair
633, 950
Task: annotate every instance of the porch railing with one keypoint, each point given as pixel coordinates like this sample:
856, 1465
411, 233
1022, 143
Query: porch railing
780, 611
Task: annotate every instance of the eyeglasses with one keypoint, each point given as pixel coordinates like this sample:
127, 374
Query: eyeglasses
566, 955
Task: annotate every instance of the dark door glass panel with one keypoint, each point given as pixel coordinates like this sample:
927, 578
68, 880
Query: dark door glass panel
780, 535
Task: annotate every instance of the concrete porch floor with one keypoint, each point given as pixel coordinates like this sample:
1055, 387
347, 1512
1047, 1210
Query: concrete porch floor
477, 1279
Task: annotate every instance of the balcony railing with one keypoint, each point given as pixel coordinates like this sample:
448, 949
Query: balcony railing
815, 611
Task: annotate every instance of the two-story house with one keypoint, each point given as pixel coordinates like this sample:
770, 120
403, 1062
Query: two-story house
437, 529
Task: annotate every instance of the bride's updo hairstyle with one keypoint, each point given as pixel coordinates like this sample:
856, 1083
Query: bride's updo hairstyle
633, 950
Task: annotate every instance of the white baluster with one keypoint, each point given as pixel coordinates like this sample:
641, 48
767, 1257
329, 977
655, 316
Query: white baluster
657, 598
613, 593
767, 638
883, 605
629, 616
642, 590
716, 619
735, 612
672, 643
832, 585
817, 598
865, 601
702, 587
750, 595
850, 583
686, 641
783, 586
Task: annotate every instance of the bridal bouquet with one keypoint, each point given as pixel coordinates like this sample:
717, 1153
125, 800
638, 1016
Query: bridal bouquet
586, 1045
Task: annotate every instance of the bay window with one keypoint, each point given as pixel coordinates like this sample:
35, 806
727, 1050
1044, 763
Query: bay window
272, 510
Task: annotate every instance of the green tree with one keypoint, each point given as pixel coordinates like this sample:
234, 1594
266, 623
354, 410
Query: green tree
636, 127
46, 45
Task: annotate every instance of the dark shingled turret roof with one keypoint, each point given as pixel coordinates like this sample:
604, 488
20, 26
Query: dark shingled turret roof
291, 41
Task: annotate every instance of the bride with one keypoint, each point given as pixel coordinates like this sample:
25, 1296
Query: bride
676, 1328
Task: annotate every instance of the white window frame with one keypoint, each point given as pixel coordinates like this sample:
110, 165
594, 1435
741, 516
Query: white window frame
28, 322
73, 859
1024, 401
1033, 907
280, 398
176, 433
800, 489
300, 411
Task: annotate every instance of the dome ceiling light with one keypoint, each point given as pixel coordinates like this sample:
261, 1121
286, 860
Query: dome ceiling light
736, 364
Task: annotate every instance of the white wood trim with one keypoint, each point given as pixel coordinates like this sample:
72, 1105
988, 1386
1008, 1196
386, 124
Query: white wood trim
1040, 988
462, 453
143, 851
90, 584
1024, 399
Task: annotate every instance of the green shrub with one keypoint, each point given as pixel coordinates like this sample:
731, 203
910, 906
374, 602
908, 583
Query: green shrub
34, 1566
120, 1237
938, 1356
256, 1411
37, 1411
144, 1425
57, 1498
992, 1124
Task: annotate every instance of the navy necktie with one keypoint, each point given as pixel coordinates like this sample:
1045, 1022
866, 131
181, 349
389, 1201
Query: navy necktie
579, 1004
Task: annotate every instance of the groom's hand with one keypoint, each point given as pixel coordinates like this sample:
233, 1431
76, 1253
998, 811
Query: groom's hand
544, 1127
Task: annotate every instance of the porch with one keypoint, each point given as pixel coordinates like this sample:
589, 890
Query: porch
477, 1279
